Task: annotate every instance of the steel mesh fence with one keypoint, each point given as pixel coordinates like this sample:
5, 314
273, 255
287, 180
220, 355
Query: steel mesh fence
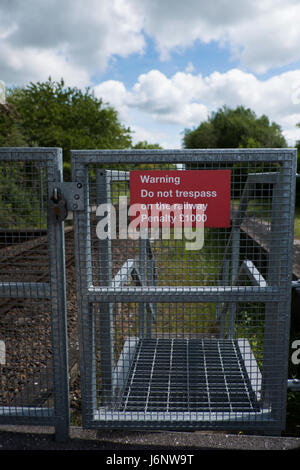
176, 335
33, 369
181, 326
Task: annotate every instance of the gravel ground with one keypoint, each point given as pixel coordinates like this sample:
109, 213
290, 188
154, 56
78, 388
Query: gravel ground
33, 438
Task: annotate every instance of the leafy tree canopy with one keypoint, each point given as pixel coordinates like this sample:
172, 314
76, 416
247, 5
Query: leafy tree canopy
235, 128
52, 115
144, 145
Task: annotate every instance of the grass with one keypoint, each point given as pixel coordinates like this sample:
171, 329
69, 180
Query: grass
177, 266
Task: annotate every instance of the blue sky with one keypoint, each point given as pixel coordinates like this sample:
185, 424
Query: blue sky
165, 65
198, 57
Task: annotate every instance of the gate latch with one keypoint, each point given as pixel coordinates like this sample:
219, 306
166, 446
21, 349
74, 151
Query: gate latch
65, 197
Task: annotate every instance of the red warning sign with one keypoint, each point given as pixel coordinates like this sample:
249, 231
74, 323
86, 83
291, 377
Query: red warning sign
178, 198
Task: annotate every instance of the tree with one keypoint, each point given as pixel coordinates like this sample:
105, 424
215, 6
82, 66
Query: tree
204, 136
235, 128
51, 115
10, 129
144, 145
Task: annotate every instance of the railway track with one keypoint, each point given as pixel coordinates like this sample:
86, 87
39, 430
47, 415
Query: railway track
28, 261
25, 324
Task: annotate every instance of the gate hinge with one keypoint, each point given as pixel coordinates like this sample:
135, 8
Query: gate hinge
64, 197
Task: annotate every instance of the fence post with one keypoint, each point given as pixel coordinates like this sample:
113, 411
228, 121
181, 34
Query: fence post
56, 248
103, 195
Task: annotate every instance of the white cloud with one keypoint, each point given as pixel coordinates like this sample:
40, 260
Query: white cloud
272, 38
79, 39
153, 135
185, 100
75, 37
167, 99
177, 24
33, 65
157, 94
154, 94
261, 34
290, 130
190, 68
114, 93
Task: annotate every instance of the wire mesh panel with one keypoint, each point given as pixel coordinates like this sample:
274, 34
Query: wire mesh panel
33, 365
184, 326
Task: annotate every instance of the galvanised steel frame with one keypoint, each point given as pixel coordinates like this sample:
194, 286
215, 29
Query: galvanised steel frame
57, 415
275, 294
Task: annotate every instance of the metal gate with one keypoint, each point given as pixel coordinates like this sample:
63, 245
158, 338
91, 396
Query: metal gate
184, 328
33, 352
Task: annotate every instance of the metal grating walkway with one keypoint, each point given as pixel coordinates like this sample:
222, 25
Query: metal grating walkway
172, 375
